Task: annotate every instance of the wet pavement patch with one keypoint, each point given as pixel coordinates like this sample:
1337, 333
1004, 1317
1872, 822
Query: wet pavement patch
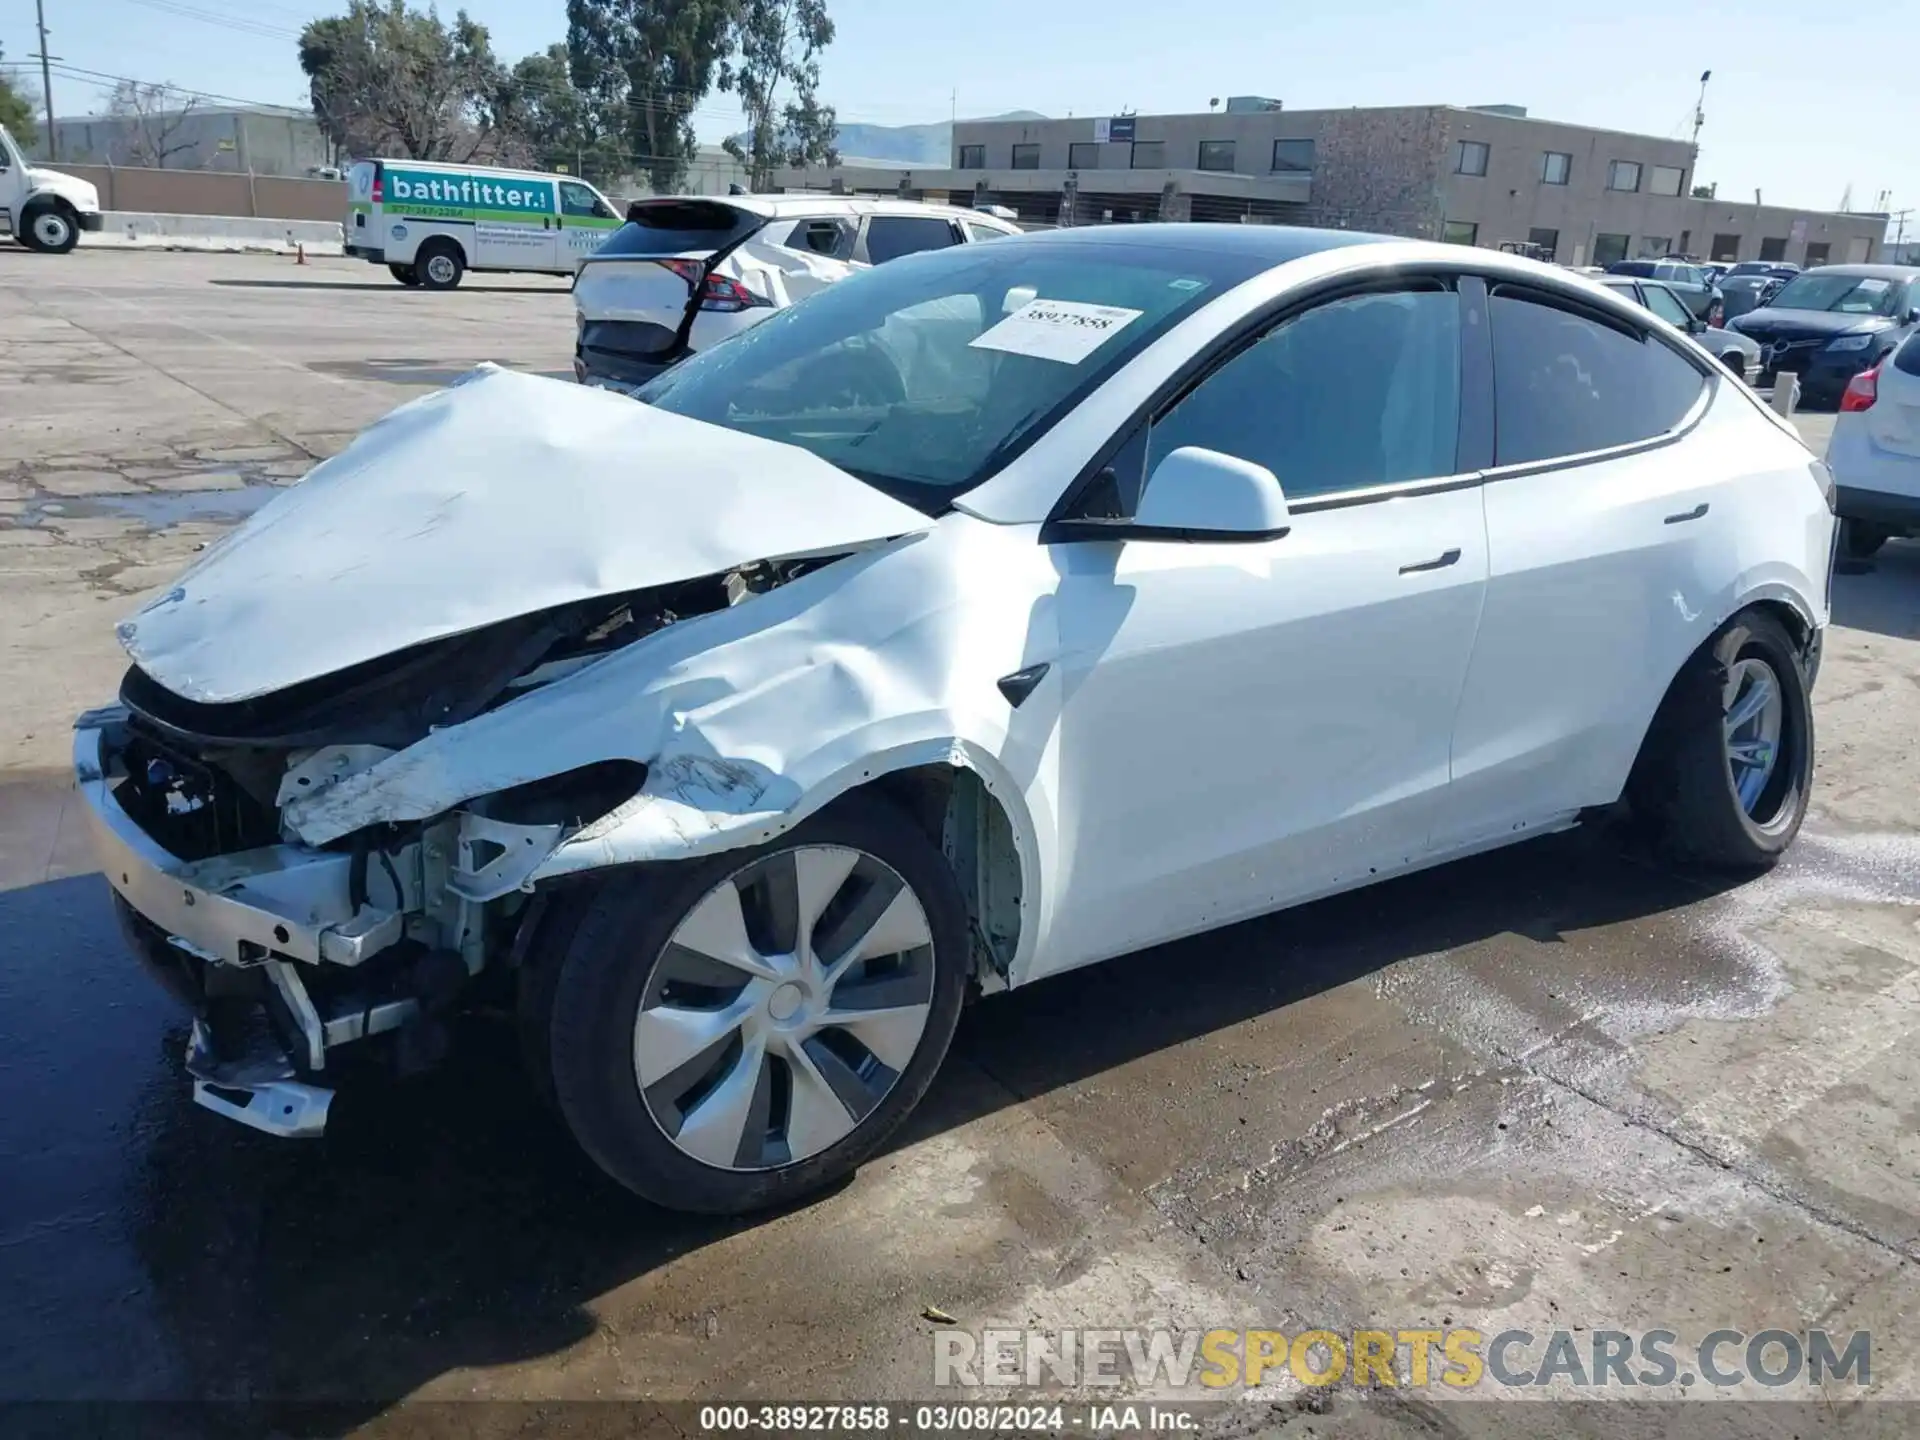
156, 510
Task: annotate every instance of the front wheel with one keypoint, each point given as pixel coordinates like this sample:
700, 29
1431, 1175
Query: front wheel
405, 274
50, 229
1728, 765
732, 1033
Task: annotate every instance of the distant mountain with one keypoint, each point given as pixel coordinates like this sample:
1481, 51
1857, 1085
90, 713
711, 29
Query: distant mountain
906, 144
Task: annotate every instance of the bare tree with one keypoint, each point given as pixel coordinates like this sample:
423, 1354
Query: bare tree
157, 129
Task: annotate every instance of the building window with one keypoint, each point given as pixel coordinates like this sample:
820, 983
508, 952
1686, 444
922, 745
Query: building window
1085, 156
1623, 175
1149, 155
1547, 240
1774, 249
973, 157
1470, 158
1656, 245
1556, 167
1460, 232
1817, 252
1216, 155
1666, 179
1610, 249
1725, 247
1293, 155
1026, 157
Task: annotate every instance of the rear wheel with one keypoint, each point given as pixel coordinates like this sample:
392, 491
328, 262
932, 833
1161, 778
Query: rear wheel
405, 274
440, 264
731, 1033
1727, 768
1861, 540
50, 228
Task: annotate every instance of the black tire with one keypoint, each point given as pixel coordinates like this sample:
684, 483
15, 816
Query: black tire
602, 965
406, 274
1684, 785
50, 227
439, 264
1861, 540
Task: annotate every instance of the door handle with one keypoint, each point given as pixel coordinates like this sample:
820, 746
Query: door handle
1439, 562
1685, 515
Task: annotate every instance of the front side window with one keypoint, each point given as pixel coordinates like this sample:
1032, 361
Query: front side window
1026, 157
1556, 167
577, 201
926, 376
1084, 155
973, 157
1460, 232
1623, 175
1358, 392
1666, 179
1292, 155
891, 236
1470, 158
1216, 154
1149, 155
1567, 382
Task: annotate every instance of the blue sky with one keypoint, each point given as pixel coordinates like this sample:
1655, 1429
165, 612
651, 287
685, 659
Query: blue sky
1777, 117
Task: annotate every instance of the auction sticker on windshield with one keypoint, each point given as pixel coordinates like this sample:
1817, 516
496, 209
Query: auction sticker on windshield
1064, 330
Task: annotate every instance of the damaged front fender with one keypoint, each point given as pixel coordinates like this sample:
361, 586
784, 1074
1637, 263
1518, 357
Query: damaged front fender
751, 718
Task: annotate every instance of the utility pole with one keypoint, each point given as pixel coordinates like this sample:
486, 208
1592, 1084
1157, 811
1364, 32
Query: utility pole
1699, 118
46, 80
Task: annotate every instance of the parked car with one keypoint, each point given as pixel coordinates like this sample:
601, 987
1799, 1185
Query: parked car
1874, 452
1740, 355
1692, 283
1830, 323
984, 616
683, 274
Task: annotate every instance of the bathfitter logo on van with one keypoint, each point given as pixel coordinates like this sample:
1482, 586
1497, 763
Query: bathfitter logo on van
467, 196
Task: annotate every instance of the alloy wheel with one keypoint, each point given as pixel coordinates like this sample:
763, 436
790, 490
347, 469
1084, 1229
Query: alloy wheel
784, 1007
1754, 718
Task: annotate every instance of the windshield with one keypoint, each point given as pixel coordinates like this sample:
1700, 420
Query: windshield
925, 375
1842, 294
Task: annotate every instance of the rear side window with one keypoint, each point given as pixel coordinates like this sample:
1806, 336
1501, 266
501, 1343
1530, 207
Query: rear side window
977, 232
1567, 382
1358, 392
1907, 358
891, 236
673, 227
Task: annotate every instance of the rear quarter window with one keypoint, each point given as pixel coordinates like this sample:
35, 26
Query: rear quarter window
1567, 381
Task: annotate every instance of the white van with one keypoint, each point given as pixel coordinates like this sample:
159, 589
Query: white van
430, 224
43, 209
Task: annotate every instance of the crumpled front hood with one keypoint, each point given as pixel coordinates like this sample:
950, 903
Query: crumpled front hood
500, 496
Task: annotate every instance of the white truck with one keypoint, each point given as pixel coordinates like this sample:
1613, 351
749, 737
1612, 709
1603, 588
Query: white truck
43, 209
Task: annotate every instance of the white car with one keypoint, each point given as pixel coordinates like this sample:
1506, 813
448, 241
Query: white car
683, 274
1874, 452
993, 613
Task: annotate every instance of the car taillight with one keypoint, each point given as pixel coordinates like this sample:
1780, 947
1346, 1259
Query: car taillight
377, 188
1861, 391
717, 292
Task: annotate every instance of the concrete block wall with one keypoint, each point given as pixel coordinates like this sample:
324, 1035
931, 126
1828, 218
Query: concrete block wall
204, 192
1377, 169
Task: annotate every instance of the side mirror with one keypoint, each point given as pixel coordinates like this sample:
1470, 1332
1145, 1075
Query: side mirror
1203, 495
1913, 315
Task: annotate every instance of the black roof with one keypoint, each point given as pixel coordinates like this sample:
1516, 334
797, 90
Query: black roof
1267, 244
